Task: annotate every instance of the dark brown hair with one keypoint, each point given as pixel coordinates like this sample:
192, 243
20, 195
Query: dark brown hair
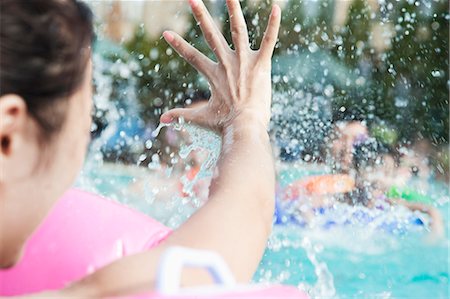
44, 50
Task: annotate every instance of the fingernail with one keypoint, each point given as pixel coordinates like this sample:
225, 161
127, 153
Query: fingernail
165, 118
193, 3
275, 10
168, 36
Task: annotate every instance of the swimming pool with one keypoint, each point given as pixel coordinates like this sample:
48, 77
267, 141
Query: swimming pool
340, 262
354, 264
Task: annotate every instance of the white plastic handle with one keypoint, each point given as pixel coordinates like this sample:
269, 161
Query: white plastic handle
175, 258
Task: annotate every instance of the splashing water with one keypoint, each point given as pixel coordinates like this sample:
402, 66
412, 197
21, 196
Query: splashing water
327, 70
200, 140
205, 141
324, 287
158, 129
176, 209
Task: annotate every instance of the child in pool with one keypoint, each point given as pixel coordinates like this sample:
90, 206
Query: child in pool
45, 118
366, 184
373, 179
346, 134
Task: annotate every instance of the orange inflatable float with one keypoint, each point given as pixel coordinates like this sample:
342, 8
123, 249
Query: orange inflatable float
320, 185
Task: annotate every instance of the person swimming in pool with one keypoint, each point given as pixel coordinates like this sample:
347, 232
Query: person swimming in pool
45, 118
316, 191
366, 183
373, 179
345, 135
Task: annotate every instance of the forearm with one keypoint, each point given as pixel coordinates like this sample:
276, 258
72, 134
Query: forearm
437, 224
245, 174
235, 222
240, 207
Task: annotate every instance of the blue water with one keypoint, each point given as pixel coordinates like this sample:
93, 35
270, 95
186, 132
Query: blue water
340, 262
380, 266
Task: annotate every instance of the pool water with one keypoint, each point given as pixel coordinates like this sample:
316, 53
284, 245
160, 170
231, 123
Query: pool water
352, 264
338, 262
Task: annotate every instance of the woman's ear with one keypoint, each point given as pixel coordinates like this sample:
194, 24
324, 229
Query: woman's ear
16, 137
12, 117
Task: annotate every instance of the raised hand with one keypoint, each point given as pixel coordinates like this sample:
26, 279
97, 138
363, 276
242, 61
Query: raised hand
240, 80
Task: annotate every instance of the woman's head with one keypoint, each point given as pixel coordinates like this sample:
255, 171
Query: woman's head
44, 50
45, 103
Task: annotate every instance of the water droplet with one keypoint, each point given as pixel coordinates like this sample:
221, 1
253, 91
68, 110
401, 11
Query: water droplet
329, 90
154, 54
436, 73
312, 47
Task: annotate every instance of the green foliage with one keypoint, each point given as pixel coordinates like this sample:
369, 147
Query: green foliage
385, 134
256, 15
165, 80
419, 60
405, 86
356, 32
300, 27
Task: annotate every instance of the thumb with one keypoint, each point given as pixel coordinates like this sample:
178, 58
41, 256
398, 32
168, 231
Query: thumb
188, 114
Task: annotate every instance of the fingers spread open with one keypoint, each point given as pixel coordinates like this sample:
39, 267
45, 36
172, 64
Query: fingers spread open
238, 27
212, 34
193, 56
271, 34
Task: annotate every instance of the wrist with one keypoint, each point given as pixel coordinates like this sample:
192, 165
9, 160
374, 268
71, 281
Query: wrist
248, 128
248, 121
